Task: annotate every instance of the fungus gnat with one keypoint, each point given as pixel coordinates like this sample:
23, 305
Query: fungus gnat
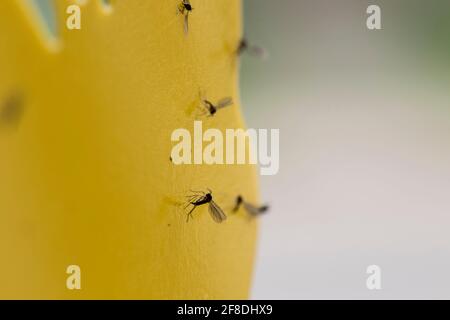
211, 108
185, 8
245, 46
11, 110
251, 209
199, 198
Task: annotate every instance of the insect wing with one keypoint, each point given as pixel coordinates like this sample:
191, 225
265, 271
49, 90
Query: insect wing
216, 213
225, 102
258, 52
186, 23
252, 210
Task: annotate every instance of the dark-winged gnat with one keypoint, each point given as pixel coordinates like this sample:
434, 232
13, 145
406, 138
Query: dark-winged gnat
199, 198
252, 210
245, 46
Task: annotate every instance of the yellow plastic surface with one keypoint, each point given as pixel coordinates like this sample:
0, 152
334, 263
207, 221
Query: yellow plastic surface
85, 176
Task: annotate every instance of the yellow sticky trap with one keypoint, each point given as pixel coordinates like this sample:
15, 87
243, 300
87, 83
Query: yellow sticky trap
85, 177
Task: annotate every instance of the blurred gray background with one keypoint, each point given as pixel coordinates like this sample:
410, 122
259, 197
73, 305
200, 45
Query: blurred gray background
364, 119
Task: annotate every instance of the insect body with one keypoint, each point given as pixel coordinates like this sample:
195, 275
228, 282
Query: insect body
199, 198
185, 8
251, 209
211, 108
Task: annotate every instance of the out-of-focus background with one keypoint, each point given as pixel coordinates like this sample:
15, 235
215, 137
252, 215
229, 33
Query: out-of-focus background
364, 119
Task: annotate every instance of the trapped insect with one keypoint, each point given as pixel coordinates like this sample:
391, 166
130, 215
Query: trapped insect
185, 8
251, 209
245, 46
199, 198
11, 110
211, 108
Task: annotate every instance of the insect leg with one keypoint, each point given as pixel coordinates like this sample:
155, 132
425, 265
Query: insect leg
189, 215
201, 192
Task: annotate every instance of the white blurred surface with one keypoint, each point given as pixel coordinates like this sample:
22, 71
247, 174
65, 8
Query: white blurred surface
364, 155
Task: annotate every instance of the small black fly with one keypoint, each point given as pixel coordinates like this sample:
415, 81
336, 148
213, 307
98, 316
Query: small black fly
212, 108
199, 198
252, 210
185, 8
